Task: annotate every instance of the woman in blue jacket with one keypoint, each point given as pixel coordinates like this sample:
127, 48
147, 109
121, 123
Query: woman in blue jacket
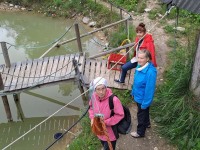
143, 90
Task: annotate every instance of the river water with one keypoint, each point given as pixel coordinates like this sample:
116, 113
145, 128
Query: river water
29, 36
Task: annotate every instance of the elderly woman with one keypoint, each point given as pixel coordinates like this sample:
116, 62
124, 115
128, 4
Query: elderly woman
143, 40
143, 90
99, 105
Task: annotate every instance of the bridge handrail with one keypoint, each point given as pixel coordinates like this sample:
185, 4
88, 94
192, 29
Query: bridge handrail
88, 33
112, 50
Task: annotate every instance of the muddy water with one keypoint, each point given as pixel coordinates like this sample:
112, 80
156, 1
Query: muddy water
29, 36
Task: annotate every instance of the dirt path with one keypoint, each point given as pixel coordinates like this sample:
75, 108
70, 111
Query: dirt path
151, 141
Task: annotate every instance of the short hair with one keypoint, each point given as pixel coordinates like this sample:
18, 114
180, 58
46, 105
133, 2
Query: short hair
146, 52
141, 28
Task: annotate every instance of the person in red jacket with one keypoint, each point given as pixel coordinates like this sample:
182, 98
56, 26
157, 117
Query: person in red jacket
143, 40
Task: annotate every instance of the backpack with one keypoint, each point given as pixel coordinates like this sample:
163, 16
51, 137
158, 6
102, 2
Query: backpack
123, 126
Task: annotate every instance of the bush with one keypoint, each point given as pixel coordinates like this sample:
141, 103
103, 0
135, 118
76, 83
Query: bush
117, 37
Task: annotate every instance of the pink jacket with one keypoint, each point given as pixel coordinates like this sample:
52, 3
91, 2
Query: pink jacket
103, 108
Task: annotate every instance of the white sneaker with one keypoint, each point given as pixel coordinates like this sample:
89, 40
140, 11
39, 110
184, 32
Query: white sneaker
135, 135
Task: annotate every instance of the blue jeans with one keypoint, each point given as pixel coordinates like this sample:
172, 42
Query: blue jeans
127, 66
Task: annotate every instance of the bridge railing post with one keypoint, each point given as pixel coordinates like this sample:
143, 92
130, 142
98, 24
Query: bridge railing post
7, 108
5, 98
1, 83
78, 77
5, 54
78, 39
18, 105
121, 15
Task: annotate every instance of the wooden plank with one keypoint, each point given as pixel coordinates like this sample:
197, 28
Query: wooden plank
70, 68
54, 69
10, 77
27, 73
21, 75
16, 76
98, 68
49, 68
65, 65
111, 78
59, 69
92, 70
43, 70
104, 70
86, 72
38, 71
5, 74
32, 73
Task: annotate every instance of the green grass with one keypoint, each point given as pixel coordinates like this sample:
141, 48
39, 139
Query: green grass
130, 5
174, 108
86, 140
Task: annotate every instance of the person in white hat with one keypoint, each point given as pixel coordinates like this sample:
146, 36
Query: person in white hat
99, 105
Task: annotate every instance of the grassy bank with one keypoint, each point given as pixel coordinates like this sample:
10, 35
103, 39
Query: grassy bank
130, 5
175, 108
71, 8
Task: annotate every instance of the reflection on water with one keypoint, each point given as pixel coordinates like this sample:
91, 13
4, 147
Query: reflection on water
31, 36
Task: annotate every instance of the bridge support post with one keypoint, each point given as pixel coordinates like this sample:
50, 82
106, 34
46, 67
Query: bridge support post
5, 102
78, 76
121, 15
128, 54
5, 54
7, 108
1, 83
78, 39
19, 107
127, 26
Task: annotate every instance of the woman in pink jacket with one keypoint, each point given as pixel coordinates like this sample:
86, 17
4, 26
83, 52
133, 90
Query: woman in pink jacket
99, 104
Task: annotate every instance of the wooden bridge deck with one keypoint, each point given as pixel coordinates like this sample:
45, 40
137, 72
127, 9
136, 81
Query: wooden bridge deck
48, 70
37, 72
95, 68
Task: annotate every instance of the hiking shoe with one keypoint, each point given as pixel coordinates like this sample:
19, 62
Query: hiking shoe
118, 81
135, 135
149, 126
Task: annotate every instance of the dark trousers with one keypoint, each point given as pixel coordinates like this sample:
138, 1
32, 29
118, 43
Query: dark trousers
127, 66
105, 144
143, 120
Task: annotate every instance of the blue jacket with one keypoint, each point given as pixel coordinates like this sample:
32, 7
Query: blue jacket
144, 85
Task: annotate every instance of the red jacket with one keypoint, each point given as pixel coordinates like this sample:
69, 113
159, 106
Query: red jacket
148, 43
